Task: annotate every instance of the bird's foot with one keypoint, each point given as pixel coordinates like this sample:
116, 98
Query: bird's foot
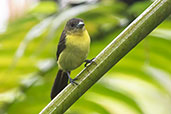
72, 81
89, 61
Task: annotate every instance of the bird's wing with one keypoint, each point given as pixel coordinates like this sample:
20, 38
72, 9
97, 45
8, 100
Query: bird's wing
61, 44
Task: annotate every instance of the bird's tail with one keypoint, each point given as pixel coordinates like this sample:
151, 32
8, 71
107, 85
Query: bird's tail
60, 83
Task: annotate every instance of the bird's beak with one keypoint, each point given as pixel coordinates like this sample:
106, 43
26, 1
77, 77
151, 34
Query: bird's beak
80, 25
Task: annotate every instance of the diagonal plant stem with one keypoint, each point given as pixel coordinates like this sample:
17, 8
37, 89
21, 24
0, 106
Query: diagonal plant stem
119, 47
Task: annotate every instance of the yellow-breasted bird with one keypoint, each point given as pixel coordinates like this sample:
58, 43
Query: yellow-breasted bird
72, 51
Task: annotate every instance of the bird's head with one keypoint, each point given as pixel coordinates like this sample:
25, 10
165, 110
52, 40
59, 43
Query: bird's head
75, 25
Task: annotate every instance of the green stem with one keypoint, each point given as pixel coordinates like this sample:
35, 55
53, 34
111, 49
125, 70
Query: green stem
119, 47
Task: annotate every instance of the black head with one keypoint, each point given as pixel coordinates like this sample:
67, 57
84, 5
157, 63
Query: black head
75, 25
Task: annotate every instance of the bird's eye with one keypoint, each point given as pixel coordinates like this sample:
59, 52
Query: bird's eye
72, 25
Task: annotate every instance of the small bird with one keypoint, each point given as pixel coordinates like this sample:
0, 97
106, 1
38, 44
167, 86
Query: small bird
72, 51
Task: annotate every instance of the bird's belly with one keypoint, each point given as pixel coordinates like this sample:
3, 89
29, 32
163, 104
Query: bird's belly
76, 51
72, 57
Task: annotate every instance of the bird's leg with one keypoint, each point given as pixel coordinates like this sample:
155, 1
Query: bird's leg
72, 81
89, 61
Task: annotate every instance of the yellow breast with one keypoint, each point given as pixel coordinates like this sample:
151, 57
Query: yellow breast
76, 51
82, 40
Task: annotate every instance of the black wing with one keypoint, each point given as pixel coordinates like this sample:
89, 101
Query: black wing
61, 44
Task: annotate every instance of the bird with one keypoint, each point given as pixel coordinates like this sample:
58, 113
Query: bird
72, 50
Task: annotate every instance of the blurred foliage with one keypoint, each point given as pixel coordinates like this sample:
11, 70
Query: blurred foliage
44, 8
140, 83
